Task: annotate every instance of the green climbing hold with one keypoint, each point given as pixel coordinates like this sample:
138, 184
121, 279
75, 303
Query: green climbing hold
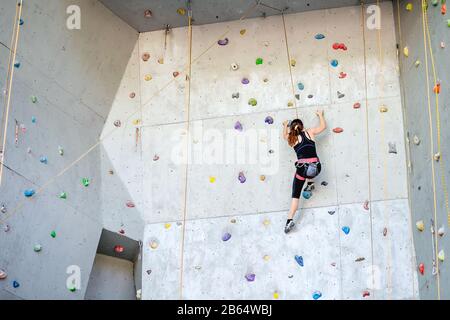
435, 2
72, 289
34, 99
252, 102
259, 61
448, 23
53, 234
63, 195
86, 182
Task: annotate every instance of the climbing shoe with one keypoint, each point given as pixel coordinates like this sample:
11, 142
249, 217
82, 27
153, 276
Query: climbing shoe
289, 226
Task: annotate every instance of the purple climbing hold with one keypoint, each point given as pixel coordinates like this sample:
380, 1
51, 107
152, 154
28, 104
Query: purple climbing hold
269, 120
223, 42
250, 277
346, 230
238, 126
245, 81
299, 260
242, 177
226, 237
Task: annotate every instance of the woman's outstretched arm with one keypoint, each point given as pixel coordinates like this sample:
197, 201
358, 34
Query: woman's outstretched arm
285, 130
321, 127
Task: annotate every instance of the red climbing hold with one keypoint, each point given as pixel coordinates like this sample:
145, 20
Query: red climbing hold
444, 9
121, 231
357, 105
422, 269
338, 130
118, 249
176, 74
337, 46
342, 75
366, 294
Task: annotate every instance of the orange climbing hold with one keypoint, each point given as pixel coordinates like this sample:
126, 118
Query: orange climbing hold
437, 88
444, 9
338, 130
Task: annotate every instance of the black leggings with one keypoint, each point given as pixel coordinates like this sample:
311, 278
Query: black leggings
298, 184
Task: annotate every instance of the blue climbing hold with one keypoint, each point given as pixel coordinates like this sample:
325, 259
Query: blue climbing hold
269, 120
17, 65
307, 194
319, 36
334, 63
15, 284
226, 237
346, 230
300, 86
317, 295
21, 22
33, 119
299, 260
29, 193
44, 160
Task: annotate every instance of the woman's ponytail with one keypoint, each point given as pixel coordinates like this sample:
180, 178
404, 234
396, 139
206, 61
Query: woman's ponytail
294, 131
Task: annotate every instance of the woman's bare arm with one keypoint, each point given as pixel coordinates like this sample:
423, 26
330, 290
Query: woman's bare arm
321, 127
285, 130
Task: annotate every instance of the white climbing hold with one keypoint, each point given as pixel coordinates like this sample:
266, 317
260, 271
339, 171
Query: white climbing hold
234, 66
441, 231
437, 156
416, 140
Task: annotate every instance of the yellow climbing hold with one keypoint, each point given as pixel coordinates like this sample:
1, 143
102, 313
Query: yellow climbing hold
136, 122
266, 257
212, 179
181, 11
262, 178
161, 60
276, 295
153, 245
420, 225
409, 6
293, 63
406, 51
167, 226
417, 63
441, 255
242, 32
383, 109
148, 77
266, 222
290, 104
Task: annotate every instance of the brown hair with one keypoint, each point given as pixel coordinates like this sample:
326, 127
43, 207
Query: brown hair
295, 129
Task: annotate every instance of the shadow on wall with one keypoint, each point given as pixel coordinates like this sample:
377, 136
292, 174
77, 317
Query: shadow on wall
116, 273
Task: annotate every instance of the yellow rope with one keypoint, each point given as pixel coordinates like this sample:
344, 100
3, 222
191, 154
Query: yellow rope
9, 80
431, 145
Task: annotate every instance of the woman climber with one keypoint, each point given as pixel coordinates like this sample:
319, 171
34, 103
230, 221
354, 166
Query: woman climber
307, 164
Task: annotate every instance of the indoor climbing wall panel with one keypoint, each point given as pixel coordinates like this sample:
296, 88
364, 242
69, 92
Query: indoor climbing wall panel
420, 118
238, 181
60, 100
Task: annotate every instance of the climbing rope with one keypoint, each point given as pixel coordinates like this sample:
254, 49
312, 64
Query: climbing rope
430, 124
9, 78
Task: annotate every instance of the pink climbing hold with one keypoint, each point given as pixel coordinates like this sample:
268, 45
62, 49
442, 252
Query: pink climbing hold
130, 204
366, 294
338, 130
342, 75
366, 205
357, 105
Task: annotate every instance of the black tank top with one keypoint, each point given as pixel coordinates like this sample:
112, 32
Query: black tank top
305, 149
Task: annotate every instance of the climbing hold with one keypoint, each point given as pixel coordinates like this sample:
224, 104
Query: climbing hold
21, 22
443, 43
117, 123
435, 2
37, 248
297, 96
262, 177
16, 284
250, 277
441, 255
235, 95
338, 130
242, 32
290, 104
420, 225
441, 231
324, 183
357, 105
252, 102
29, 193
437, 88
238, 126
3, 274
234, 66
443, 12
409, 6
148, 77
307, 194
121, 231
317, 295
337, 46
33, 99
226, 236
132, 95
265, 80
366, 205
416, 140
259, 61
53, 234
148, 14
276, 296
360, 259
300, 86
342, 75
319, 36
266, 222
111, 172
86, 182
392, 148
3, 208
145, 56
266, 257
17, 65
310, 96
153, 245
242, 177
130, 204
346, 230
136, 122
33, 119
212, 179
333, 264
290, 276
161, 60
299, 260
334, 63
383, 109
366, 294
63, 195
437, 156
422, 269
340, 95
245, 81
223, 42
175, 74
417, 63
233, 220
331, 212
385, 231
6, 228
43, 160
119, 249
72, 289
406, 51
60, 150
293, 62
181, 11
268, 120
155, 157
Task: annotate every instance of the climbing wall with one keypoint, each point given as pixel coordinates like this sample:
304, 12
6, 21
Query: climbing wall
60, 99
214, 227
432, 243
